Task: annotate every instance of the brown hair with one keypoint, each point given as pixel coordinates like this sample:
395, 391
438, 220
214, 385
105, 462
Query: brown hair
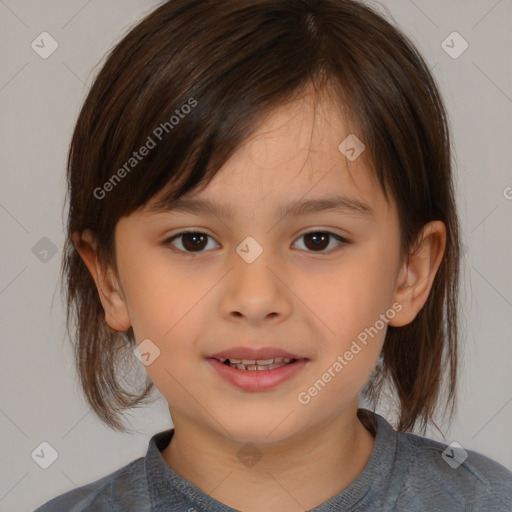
235, 61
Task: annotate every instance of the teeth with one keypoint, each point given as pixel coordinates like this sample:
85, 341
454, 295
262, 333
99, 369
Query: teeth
257, 364
256, 361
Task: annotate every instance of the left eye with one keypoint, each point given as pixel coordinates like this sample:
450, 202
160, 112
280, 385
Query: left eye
195, 241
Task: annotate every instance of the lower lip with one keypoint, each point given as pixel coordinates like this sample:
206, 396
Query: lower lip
257, 380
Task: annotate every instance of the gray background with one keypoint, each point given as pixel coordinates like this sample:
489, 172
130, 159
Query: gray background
40, 100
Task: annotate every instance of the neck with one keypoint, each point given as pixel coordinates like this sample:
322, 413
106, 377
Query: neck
301, 472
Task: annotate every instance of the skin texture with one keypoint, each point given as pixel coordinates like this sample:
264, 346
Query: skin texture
312, 302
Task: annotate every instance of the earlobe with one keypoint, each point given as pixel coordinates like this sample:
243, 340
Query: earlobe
111, 296
418, 272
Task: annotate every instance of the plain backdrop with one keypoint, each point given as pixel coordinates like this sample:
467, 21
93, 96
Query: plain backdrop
40, 99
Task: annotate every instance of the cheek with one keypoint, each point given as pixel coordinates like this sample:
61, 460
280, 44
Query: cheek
354, 295
159, 296
354, 305
167, 307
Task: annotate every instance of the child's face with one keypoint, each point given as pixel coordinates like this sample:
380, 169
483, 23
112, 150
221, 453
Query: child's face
309, 301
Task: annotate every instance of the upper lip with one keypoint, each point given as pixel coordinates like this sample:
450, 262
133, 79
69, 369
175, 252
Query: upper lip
254, 353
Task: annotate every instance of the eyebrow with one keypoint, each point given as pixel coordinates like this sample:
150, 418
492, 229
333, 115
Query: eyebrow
337, 203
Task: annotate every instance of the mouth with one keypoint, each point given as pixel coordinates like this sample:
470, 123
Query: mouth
256, 370
257, 364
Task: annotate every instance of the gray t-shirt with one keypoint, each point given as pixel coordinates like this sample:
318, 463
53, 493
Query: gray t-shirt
405, 472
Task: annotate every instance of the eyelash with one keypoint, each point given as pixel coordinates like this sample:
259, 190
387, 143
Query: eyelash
343, 241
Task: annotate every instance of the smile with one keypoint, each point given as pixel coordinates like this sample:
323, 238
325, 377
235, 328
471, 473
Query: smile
257, 374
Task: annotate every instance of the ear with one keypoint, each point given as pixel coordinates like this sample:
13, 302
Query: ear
418, 272
111, 296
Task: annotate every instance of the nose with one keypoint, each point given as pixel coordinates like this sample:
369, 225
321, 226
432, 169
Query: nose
256, 291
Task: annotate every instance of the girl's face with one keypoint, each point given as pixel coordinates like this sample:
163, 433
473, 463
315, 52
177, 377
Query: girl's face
258, 279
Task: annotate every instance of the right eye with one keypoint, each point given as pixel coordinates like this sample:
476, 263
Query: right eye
192, 240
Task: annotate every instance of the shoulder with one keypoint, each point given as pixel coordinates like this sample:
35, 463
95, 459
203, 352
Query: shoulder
123, 490
444, 473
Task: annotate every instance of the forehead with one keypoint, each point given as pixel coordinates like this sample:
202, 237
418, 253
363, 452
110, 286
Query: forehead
303, 150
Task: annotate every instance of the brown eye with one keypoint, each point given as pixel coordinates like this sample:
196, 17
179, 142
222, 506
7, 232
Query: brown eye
318, 241
192, 241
